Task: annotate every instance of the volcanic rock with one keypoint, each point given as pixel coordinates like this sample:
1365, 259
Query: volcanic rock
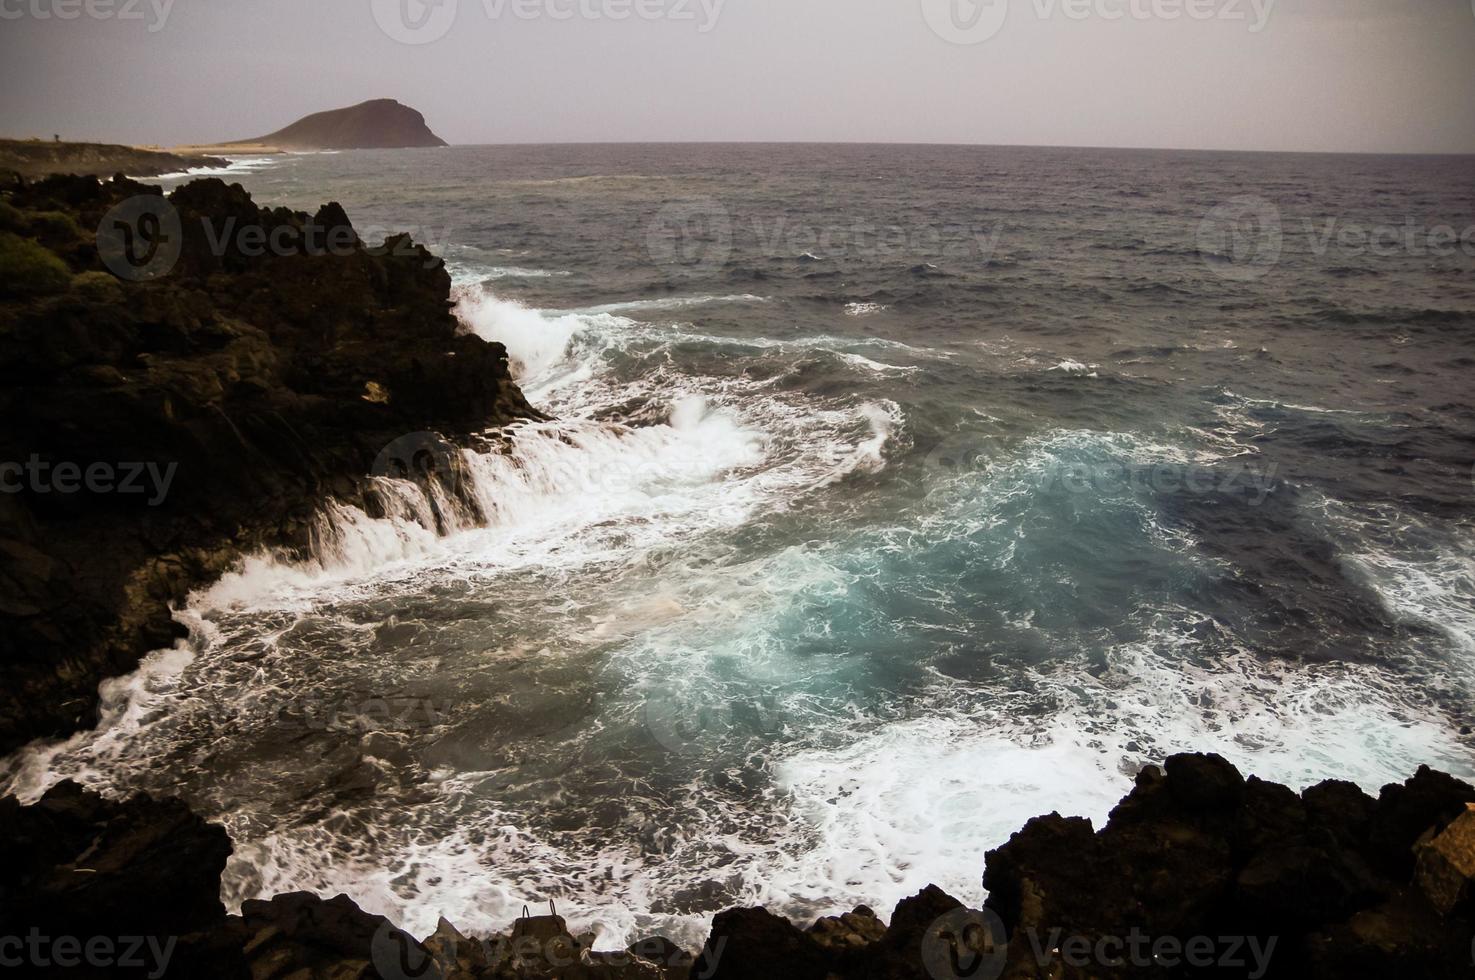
241, 369
1446, 864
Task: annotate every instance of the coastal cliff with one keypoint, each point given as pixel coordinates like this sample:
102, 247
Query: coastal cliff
187, 379
1198, 871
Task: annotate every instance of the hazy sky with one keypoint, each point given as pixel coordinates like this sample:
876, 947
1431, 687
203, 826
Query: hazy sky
1376, 75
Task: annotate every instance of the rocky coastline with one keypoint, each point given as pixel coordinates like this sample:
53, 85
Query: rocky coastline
1199, 871
223, 369
260, 361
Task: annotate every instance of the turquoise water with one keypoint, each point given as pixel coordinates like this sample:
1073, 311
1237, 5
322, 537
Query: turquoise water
893, 495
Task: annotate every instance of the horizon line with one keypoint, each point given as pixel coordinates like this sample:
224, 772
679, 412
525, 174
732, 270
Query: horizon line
943, 143
785, 142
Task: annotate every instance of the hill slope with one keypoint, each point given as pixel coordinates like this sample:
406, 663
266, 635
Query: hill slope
37, 158
376, 124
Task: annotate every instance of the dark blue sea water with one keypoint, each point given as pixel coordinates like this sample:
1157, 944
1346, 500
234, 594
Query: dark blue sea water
894, 495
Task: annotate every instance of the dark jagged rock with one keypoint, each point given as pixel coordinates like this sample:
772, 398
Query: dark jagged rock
458, 957
1445, 866
376, 124
268, 364
1270, 883
754, 944
852, 930
75, 862
899, 951
302, 935
1198, 851
663, 952
1405, 811
1204, 783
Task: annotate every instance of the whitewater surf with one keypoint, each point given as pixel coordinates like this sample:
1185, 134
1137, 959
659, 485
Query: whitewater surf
825, 573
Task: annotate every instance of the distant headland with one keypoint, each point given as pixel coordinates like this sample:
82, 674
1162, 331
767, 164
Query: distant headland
376, 124
373, 125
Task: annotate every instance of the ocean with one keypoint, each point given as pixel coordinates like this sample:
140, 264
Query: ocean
892, 495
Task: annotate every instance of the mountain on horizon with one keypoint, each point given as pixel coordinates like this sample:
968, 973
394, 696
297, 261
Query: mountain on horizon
375, 124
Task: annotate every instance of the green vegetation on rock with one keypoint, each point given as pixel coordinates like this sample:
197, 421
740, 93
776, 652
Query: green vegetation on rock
97, 287
28, 269
52, 226
11, 218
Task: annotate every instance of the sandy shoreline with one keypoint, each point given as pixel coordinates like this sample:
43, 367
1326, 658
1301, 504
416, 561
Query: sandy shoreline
222, 149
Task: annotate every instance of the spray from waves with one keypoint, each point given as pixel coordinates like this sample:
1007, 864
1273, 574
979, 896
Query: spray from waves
876, 366
921, 800
1076, 369
566, 494
554, 477
470, 266
854, 802
560, 357
868, 455
563, 494
564, 498
1423, 571
707, 466
535, 342
234, 165
832, 822
868, 811
668, 303
127, 706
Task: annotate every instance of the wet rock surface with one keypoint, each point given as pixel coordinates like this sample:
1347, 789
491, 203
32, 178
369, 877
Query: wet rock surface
226, 368
1199, 871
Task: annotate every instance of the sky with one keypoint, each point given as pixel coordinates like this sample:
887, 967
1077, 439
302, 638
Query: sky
1319, 75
